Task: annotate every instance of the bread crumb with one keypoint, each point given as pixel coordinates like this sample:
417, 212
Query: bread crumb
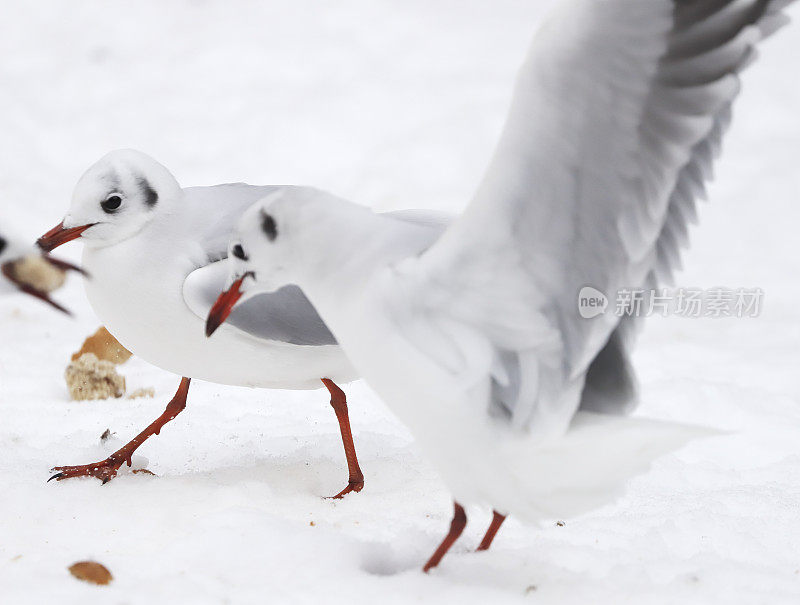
36, 272
142, 393
103, 345
91, 378
92, 572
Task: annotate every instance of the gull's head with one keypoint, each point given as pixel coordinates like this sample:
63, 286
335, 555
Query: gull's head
114, 200
275, 244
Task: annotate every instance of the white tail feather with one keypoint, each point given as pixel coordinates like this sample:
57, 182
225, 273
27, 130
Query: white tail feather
591, 464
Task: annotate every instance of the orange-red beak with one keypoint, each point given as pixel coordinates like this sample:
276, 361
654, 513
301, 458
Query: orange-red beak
58, 235
224, 305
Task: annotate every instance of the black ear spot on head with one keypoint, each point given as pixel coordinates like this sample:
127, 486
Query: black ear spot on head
268, 226
150, 195
3, 244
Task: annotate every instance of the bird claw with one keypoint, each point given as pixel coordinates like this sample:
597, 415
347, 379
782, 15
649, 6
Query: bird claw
352, 486
105, 471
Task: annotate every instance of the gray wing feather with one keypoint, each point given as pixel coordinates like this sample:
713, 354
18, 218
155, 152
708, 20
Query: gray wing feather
284, 316
610, 386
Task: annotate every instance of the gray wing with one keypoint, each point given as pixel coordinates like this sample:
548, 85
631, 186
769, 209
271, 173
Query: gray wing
610, 380
284, 316
611, 386
617, 115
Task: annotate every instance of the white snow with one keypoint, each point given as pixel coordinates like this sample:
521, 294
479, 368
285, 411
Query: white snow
395, 104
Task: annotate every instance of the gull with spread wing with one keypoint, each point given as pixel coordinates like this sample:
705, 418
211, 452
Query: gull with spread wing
156, 255
477, 344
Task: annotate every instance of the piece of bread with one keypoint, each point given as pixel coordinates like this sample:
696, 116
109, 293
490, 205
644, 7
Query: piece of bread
91, 378
105, 347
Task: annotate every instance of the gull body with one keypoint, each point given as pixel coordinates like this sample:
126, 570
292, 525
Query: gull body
148, 291
477, 344
156, 267
156, 252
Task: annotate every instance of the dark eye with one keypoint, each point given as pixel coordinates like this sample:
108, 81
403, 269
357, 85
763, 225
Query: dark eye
112, 203
268, 226
238, 252
3, 244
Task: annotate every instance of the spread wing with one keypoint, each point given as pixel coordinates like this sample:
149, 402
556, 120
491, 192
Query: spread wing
617, 115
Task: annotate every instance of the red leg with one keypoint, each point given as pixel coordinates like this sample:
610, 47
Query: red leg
457, 525
497, 521
107, 469
339, 403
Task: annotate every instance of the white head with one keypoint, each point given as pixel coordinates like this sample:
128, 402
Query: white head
284, 239
114, 200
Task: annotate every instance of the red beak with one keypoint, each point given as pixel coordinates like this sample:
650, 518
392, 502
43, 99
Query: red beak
58, 235
224, 305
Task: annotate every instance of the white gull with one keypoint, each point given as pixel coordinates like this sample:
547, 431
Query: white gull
477, 344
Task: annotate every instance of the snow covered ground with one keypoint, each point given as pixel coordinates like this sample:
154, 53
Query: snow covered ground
394, 104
